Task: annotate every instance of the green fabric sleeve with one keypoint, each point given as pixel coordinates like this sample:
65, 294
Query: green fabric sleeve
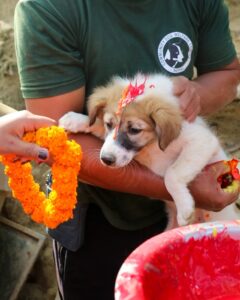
48, 55
215, 48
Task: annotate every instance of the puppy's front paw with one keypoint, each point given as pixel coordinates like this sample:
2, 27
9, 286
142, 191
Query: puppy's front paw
74, 122
186, 216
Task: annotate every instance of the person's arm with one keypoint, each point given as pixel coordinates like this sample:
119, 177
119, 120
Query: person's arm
137, 179
215, 61
209, 92
55, 107
216, 89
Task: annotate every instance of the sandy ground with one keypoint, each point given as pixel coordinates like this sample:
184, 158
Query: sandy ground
41, 283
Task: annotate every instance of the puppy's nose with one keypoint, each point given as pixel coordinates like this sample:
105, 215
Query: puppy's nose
108, 159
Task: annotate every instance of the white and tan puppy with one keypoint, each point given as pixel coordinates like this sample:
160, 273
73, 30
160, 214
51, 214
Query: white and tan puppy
151, 130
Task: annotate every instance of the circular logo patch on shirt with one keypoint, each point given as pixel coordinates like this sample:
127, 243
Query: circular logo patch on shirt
175, 52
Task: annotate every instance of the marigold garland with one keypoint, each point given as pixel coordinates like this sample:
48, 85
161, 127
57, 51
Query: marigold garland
58, 206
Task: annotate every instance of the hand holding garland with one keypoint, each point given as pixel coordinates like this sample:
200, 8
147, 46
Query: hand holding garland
66, 156
12, 128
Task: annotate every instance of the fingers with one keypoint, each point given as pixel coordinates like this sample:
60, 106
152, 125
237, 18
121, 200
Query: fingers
189, 100
189, 104
20, 122
28, 151
191, 113
179, 85
33, 122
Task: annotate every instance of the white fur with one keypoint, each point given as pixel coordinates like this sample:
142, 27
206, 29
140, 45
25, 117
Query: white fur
74, 122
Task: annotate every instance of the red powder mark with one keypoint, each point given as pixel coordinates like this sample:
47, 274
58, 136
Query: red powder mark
129, 94
206, 268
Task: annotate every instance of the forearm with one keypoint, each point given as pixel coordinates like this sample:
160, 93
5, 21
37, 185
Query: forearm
219, 88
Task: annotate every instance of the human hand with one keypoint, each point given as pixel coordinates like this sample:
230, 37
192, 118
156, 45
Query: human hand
12, 128
189, 98
207, 191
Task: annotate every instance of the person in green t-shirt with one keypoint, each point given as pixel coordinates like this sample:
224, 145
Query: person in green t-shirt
67, 48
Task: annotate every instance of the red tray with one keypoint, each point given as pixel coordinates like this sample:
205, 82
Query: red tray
197, 262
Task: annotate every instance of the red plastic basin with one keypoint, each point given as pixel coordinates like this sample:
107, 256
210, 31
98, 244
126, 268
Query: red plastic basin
197, 262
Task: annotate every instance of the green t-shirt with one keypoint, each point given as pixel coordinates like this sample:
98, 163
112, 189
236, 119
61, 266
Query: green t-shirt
62, 45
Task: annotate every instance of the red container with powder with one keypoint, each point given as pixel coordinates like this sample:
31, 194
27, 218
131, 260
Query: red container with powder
197, 262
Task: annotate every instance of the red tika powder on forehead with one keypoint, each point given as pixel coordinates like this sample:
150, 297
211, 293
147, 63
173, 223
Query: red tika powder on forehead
129, 94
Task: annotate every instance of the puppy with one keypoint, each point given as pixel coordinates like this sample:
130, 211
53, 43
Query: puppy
148, 126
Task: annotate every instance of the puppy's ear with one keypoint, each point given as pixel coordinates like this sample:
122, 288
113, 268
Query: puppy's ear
168, 121
101, 97
96, 103
94, 112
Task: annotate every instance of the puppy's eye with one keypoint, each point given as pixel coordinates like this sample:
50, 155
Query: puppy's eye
109, 125
134, 131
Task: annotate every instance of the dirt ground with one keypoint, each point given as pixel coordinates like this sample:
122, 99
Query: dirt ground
41, 282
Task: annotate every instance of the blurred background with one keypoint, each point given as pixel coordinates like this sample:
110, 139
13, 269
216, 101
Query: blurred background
39, 282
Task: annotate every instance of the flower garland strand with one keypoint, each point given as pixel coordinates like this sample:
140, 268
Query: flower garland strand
58, 206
